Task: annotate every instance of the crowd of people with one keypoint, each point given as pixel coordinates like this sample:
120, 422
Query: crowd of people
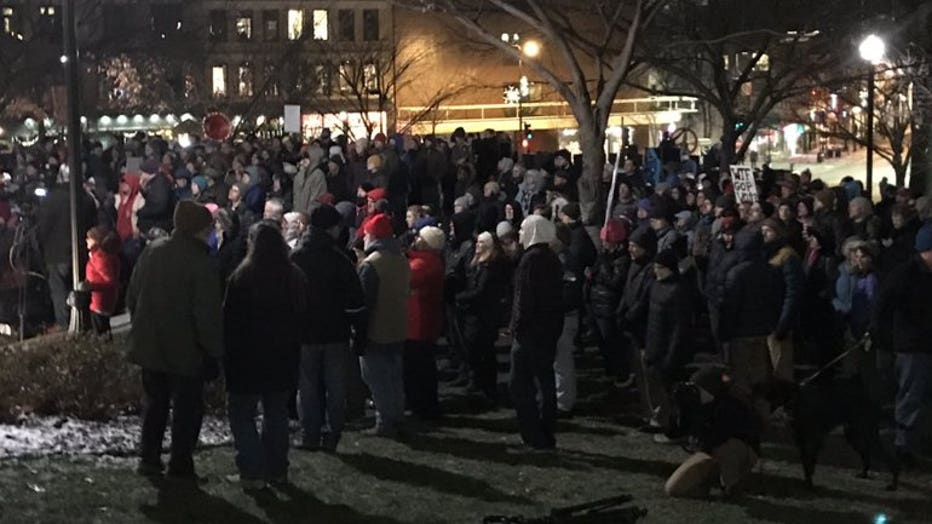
278, 261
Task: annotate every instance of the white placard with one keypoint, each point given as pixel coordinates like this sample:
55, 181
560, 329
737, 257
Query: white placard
292, 119
745, 186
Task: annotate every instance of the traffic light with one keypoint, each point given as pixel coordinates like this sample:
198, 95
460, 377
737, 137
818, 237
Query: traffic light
528, 134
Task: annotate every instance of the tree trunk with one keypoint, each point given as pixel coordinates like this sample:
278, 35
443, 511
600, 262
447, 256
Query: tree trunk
591, 193
729, 146
921, 172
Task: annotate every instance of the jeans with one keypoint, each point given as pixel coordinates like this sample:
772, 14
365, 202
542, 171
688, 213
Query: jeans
382, 370
565, 365
266, 456
184, 396
533, 392
59, 281
914, 381
420, 378
322, 387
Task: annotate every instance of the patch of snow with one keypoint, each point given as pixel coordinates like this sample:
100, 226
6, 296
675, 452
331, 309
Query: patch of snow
45, 436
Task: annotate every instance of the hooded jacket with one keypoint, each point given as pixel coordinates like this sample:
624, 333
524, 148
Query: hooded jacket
310, 183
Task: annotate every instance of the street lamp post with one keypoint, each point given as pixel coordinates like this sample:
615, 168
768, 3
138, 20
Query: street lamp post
872, 50
76, 176
530, 49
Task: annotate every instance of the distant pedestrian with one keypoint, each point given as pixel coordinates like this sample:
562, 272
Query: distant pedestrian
263, 313
176, 337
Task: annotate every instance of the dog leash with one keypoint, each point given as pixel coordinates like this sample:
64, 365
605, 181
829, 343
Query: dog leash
863, 343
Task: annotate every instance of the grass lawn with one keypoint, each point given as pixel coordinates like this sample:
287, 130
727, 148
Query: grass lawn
459, 470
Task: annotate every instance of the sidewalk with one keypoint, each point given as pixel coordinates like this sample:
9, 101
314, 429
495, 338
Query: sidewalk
832, 170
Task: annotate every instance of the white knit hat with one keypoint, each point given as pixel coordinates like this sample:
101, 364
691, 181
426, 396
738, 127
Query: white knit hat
433, 237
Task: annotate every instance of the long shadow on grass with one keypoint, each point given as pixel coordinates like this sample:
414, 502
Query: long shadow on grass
793, 488
384, 468
564, 459
510, 426
188, 503
302, 506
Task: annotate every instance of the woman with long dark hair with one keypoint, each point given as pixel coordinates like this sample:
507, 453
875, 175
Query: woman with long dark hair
265, 301
481, 304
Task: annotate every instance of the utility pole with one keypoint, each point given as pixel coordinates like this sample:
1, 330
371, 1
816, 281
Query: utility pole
76, 176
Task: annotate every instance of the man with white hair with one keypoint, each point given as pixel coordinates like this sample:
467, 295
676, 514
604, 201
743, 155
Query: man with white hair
536, 324
293, 227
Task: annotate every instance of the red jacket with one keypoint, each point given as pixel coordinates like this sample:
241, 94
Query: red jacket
425, 301
103, 274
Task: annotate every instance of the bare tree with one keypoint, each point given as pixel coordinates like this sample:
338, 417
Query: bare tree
594, 43
743, 58
841, 115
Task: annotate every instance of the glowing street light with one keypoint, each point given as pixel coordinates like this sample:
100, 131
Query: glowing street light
531, 49
872, 50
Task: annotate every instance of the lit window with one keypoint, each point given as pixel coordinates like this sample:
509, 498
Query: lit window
7, 21
295, 23
320, 24
48, 10
346, 77
763, 64
244, 26
321, 80
219, 77
370, 76
245, 80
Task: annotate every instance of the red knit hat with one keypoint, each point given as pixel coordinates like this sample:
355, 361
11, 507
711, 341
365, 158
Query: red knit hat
380, 227
377, 194
615, 231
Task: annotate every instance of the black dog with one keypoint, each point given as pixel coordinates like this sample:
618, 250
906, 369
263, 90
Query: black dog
819, 406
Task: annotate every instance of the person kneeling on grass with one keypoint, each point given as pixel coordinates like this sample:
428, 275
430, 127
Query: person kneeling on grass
726, 432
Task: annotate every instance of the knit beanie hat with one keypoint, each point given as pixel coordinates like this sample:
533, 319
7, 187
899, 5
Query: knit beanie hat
644, 237
325, 217
192, 218
667, 258
200, 181
377, 194
433, 237
503, 228
379, 227
924, 238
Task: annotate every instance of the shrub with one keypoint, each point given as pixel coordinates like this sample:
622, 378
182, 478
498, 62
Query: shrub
85, 378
